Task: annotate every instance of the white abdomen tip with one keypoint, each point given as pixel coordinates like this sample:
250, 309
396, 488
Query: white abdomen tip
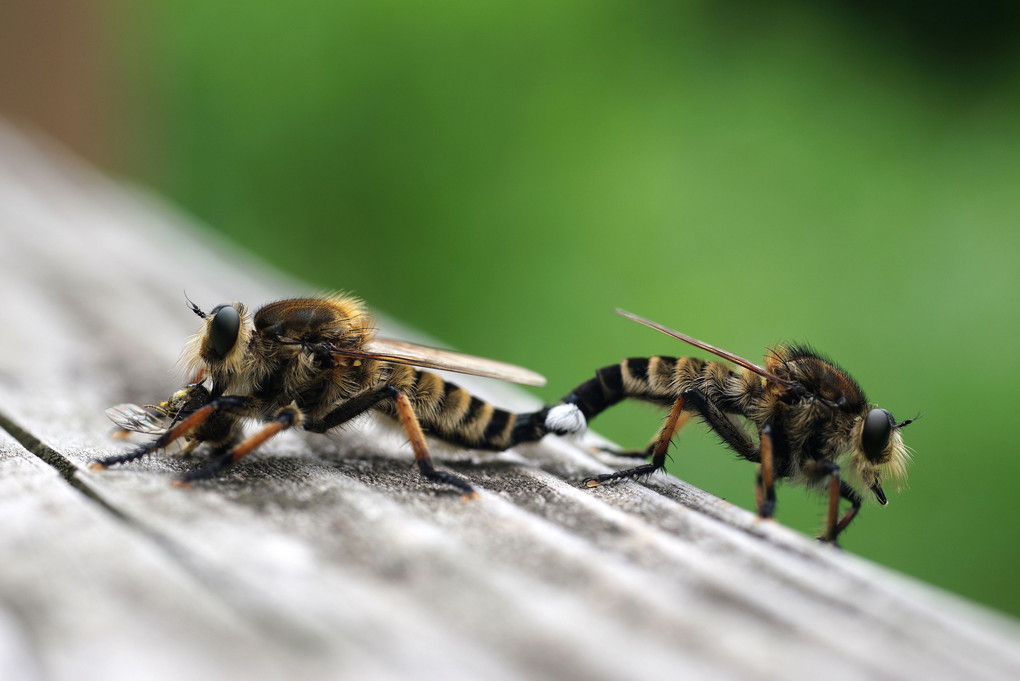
565, 418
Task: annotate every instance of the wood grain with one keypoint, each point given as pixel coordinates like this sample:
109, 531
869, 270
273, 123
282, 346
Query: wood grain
327, 556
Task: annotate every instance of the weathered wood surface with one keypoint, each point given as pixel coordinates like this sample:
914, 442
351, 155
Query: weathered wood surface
327, 557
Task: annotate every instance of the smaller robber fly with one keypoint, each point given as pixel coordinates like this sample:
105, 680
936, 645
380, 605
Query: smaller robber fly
316, 363
810, 419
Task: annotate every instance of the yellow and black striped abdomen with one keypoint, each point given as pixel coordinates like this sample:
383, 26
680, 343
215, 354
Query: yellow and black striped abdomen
451, 413
653, 379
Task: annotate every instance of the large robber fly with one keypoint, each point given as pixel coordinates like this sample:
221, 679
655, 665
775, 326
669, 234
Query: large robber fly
808, 419
316, 363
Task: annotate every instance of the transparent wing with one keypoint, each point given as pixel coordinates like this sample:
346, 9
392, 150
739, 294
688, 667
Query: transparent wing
402, 352
761, 371
138, 419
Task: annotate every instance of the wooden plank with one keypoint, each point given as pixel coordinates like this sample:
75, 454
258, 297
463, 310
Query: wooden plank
85, 595
328, 557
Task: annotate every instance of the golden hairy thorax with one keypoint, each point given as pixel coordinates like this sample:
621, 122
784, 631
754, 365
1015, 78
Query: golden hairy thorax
278, 335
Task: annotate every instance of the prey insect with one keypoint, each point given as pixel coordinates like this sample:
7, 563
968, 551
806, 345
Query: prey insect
809, 419
316, 363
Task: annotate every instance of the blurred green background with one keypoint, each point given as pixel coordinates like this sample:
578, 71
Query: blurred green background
502, 175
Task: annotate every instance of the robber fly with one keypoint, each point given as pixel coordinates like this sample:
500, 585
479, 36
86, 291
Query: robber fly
316, 363
809, 416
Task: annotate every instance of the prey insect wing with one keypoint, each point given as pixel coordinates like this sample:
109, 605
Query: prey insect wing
138, 419
132, 418
403, 352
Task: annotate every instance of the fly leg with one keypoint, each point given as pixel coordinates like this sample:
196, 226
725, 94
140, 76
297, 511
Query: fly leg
764, 488
740, 441
657, 450
286, 418
834, 527
184, 426
818, 471
405, 412
421, 451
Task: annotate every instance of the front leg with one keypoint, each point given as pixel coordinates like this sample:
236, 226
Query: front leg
228, 404
286, 418
819, 471
834, 529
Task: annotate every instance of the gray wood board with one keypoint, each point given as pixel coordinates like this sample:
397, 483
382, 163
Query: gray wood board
327, 556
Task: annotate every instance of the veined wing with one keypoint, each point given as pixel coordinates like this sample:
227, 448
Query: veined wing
747, 364
138, 419
402, 352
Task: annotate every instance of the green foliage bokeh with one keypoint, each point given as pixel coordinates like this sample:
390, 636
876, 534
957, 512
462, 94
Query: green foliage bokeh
502, 175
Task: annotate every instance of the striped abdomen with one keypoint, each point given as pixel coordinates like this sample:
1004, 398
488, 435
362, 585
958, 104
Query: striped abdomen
661, 380
453, 414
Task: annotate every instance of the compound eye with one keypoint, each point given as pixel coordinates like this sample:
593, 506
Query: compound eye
223, 330
875, 435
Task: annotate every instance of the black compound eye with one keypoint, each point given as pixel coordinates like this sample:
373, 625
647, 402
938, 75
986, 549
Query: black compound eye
875, 435
223, 329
